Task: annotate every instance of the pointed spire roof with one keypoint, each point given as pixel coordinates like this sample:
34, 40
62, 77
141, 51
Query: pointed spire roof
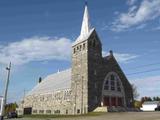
85, 28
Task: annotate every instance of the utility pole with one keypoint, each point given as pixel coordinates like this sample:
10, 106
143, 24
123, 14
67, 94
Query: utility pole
24, 94
5, 91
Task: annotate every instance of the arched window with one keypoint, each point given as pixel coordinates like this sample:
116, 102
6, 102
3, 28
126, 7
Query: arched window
77, 47
80, 47
74, 51
84, 46
112, 83
113, 90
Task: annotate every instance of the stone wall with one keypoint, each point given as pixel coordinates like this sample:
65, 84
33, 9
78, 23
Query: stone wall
58, 102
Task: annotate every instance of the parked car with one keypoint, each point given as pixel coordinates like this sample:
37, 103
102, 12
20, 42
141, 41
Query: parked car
157, 108
12, 114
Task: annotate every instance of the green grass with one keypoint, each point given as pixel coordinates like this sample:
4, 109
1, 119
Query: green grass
62, 116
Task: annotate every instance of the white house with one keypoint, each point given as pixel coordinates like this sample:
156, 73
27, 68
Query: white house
150, 105
1, 105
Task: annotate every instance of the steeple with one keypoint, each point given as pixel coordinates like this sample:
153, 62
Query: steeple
85, 29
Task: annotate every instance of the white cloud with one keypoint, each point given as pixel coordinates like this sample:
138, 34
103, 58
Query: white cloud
141, 26
35, 49
148, 10
131, 2
44, 49
148, 86
122, 57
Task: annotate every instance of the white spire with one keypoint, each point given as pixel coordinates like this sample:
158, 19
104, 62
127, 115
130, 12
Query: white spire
85, 29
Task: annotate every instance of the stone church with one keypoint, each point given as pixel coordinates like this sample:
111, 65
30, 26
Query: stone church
92, 81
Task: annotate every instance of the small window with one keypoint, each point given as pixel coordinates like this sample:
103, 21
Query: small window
41, 111
112, 77
112, 83
106, 87
34, 111
74, 50
77, 47
78, 111
48, 111
112, 88
80, 47
84, 46
66, 112
107, 82
57, 111
119, 89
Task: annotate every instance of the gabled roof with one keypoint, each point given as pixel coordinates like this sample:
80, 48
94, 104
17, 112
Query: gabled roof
80, 39
53, 82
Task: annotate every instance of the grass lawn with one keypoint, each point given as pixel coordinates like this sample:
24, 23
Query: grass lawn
62, 116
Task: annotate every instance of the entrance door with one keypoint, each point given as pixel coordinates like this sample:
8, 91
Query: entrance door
27, 111
106, 101
120, 101
113, 101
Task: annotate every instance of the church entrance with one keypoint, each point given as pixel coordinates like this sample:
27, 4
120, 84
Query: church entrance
112, 101
106, 101
120, 101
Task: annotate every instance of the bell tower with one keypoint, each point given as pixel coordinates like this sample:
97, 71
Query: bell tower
86, 57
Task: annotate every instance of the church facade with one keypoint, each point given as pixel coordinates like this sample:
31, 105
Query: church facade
91, 82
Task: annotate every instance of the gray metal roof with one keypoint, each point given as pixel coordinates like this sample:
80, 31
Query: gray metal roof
151, 102
81, 39
53, 82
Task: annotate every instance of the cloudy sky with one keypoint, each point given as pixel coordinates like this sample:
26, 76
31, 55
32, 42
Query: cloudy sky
36, 35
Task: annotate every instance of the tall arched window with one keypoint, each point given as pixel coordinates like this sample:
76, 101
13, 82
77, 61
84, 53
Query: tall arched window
113, 90
112, 82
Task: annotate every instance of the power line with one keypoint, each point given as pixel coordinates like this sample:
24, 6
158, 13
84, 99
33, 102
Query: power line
152, 70
143, 66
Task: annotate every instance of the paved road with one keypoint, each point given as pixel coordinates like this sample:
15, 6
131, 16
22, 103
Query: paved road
109, 116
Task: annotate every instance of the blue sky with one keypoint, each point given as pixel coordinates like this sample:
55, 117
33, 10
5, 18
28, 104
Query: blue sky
36, 35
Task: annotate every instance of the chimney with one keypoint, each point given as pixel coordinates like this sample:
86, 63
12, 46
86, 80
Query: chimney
40, 80
111, 52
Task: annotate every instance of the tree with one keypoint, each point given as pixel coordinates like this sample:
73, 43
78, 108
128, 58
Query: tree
137, 104
10, 107
156, 98
135, 92
143, 99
